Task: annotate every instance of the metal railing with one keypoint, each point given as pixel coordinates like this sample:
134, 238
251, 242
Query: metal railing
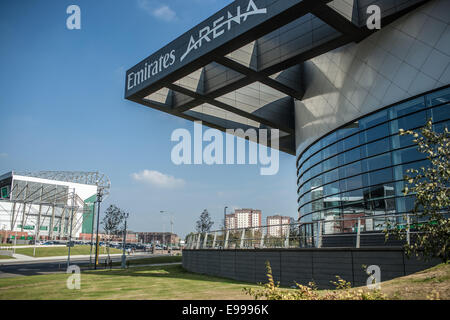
338, 232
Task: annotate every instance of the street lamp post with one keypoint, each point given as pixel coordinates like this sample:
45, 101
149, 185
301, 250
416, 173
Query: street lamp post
92, 233
124, 257
99, 200
225, 217
171, 228
71, 224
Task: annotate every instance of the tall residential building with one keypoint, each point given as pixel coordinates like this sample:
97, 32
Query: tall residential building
278, 225
243, 218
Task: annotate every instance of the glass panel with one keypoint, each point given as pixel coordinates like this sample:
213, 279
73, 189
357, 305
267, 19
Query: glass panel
406, 155
374, 133
407, 107
398, 141
438, 97
351, 142
377, 147
352, 169
330, 163
328, 140
439, 127
331, 188
409, 122
376, 162
352, 155
354, 183
330, 176
317, 169
374, 119
440, 113
329, 151
380, 176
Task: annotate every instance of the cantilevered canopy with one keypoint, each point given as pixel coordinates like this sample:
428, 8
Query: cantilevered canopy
243, 67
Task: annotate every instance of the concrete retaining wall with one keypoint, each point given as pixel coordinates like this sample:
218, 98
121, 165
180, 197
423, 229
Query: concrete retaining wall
303, 265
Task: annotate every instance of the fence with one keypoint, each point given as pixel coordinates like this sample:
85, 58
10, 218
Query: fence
354, 231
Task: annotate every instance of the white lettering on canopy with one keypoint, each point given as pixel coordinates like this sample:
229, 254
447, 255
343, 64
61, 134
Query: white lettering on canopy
218, 24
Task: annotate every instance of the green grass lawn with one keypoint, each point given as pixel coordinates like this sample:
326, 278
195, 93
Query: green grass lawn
5, 257
62, 251
162, 283
173, 282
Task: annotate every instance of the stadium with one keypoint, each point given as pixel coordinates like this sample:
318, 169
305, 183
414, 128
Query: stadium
49, 204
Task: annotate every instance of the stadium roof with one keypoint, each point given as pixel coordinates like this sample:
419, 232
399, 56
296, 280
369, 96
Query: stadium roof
89, 178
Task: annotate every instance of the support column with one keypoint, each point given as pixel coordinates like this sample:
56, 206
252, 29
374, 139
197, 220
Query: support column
408, 234
198, 240
358, 234
263, 234
242, 238
214, 240
24, 205
205, 240
286, 241
225, 245
319, 243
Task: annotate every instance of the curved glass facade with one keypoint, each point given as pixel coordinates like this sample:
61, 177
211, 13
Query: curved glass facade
358, 170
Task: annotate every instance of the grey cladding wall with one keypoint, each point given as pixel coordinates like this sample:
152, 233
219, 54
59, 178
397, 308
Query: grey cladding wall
290, 266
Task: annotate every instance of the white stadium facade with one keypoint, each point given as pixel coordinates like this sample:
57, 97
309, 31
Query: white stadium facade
48, 204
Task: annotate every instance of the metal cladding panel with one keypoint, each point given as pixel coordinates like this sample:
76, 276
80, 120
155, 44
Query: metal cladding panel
297, 268
245, 266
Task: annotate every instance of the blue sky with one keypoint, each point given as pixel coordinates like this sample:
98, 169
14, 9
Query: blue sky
62, 108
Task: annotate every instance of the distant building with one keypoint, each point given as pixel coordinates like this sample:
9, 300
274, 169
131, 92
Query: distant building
158, 237
278, 225
243, 218
132, 237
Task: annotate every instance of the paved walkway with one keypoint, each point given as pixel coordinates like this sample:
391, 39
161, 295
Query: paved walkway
24, 258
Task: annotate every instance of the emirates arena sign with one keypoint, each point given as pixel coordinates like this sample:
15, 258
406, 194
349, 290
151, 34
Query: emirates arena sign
233, 21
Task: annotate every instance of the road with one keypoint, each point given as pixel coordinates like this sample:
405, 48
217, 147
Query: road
57, 265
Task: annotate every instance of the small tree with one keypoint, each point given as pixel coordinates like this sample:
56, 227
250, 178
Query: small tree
430, 185
111, 222
204, 224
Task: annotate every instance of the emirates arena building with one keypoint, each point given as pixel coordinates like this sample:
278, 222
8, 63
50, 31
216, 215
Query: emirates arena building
336, 86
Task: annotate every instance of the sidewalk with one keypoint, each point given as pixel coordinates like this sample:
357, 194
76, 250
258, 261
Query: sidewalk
24, 258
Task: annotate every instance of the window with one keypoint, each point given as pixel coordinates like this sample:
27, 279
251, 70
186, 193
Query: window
380, 176
406, 108
407, 155
374, 119
376, 147
377, 162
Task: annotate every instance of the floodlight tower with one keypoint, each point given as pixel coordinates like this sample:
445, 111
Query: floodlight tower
99, 200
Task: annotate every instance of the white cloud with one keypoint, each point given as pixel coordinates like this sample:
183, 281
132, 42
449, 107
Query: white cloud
160, 11
3, 155
158, 179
